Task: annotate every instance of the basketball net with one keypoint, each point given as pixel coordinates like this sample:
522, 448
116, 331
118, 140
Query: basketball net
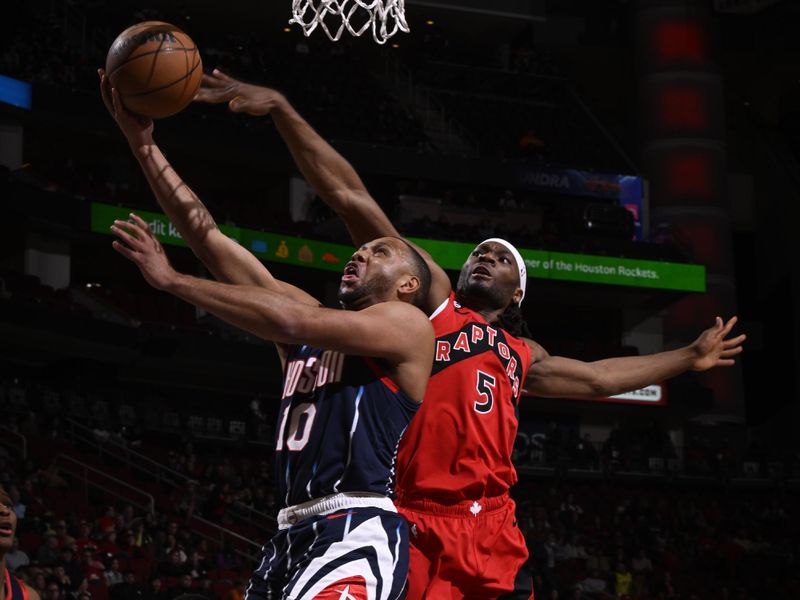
383, 17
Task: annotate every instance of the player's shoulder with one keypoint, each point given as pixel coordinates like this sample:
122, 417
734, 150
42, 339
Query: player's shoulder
401, 312
537, 350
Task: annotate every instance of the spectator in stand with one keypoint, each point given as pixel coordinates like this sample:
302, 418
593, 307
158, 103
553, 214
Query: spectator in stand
64, 581
641, 563
623, 580
204, 587
48, 553
112, 574
585, 453
185, 585
176, 564
81, 591
39, 582
64, 538
84, 536
156, 590
52, 590
108, 545
92, 568
107, 521
129, 589
128, 548
20, 509
72, 568
594, 585
16, 558
197, 565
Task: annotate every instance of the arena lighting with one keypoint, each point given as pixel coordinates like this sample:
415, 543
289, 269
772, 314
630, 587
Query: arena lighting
689, 174
682, 107
680, 42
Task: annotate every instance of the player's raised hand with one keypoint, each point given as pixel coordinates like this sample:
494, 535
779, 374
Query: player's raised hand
255, 100
137, 129
138, 244
714, 348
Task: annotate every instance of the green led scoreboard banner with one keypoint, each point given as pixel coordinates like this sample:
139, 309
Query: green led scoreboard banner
541, 264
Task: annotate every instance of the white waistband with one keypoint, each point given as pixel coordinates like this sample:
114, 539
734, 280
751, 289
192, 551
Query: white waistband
292, 515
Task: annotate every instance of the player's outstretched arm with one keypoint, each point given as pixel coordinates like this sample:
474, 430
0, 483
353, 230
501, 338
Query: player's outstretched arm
331, 176
397, 332
555, 376
328, 172
223, 257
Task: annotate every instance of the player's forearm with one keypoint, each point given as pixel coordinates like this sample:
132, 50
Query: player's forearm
323, 167
184, 209
261, 312
624, 374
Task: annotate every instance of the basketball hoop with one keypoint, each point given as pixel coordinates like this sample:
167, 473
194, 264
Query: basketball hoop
384, 17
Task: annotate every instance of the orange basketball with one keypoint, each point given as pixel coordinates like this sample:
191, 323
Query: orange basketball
155, 67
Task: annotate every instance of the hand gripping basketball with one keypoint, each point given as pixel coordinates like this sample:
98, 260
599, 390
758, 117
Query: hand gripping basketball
155, 67
137, 129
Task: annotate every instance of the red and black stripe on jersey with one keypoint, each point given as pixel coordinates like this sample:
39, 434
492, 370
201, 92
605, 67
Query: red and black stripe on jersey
474, 339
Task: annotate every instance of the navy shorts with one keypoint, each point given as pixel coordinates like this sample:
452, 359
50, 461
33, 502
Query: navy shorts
355, 554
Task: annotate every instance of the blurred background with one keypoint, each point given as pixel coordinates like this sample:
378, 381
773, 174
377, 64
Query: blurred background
646, 150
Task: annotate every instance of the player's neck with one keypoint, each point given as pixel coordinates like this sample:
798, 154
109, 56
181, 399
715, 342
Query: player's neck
490, 314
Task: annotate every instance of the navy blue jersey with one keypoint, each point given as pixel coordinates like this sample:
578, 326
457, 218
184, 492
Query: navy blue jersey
339, 426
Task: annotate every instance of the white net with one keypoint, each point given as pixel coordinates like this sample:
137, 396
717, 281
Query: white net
383, 17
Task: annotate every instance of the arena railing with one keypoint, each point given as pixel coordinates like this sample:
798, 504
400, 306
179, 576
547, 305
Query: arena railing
91, 476
154, 470
8, 438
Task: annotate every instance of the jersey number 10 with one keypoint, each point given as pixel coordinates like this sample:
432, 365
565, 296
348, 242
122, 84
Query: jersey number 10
299, 427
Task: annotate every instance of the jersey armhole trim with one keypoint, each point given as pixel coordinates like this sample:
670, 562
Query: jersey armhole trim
442, 306
385, 379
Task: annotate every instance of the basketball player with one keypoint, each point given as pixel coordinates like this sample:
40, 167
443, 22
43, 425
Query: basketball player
353, 379
454, 464
13, 588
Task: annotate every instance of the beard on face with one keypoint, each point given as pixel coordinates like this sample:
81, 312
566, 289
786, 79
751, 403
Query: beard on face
354, 298
481, 294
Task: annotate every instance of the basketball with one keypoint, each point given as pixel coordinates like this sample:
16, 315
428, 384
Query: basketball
155, 67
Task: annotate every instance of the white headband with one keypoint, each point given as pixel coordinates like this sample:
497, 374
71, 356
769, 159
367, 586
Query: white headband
523, 271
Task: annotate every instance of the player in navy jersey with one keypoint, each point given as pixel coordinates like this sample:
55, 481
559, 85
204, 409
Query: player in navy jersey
454, 464
353, 380
13, 588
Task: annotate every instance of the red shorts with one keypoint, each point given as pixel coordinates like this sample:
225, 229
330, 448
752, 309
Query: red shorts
469, 550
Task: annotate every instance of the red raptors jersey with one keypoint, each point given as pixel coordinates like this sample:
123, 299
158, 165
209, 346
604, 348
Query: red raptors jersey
458, 447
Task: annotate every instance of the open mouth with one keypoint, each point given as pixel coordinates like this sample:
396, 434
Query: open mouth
6, 530
481, 271
350, 272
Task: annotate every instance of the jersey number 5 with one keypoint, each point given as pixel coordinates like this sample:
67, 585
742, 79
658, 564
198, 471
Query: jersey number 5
299, 428
485, 385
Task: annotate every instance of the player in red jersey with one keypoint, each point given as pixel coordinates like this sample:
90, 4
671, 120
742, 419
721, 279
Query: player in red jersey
12, 587
454, 463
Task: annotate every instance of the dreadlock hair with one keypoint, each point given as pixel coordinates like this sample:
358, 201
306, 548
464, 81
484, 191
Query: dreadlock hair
511, 320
